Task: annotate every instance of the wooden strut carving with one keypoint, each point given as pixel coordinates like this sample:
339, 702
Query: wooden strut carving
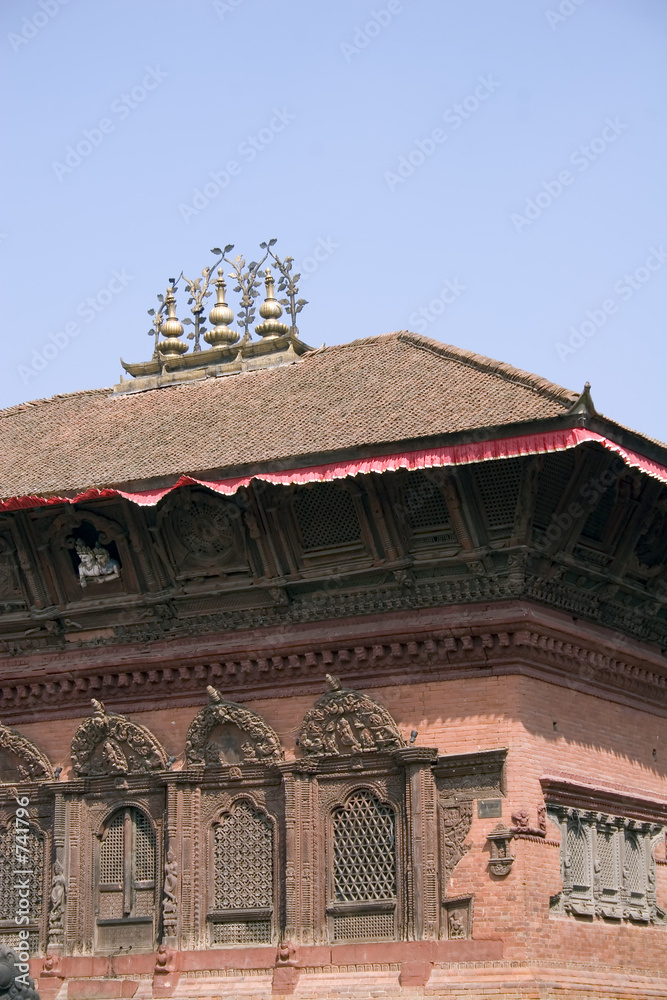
260, 743
112, 745
345, 721
29, 763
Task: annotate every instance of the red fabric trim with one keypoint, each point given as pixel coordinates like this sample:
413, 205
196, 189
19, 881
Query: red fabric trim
459, 454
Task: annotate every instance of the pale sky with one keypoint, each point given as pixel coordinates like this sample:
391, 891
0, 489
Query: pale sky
489, 174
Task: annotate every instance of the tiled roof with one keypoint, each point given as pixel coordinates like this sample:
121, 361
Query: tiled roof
395, 387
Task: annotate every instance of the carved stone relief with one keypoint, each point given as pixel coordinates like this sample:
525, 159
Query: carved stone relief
456, 823
347, 722
225, 733
57, 908
108, 744
20, 759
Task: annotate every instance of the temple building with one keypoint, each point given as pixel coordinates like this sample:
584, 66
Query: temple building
334, 672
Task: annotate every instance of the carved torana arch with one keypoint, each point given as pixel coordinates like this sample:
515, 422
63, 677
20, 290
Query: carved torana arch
345, 722
108, 744
225, 733
20, 759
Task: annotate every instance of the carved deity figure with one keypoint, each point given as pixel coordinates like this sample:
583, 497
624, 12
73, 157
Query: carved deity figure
96, 564
57, 906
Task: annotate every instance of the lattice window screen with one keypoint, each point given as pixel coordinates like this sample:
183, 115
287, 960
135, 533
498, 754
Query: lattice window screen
356, 926
9, 894
364, 850
554, 477
144, 859
112, 851
498, 484
423, 502
326, 516
243, 853
577, 856
607, 859
635, 879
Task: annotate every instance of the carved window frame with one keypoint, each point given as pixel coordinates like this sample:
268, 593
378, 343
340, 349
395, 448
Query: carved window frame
129, 806
617, 899
356, 554
383, 793
248, 915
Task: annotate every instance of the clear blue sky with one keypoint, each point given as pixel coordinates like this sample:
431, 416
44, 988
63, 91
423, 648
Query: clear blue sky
513, 150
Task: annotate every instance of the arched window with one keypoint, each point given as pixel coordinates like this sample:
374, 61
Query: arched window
363, 878
242, 878
126, 883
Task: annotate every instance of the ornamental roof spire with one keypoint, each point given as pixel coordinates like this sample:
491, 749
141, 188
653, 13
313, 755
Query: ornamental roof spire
228, 351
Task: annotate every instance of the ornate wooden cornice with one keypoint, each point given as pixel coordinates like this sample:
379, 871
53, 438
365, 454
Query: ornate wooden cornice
415, 647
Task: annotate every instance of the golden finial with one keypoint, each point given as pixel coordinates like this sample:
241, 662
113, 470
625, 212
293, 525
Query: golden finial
271, 311
171, 329
220, 315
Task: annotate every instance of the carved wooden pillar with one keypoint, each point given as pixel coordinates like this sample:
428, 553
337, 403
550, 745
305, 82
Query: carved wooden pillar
188, 858
421, 842
303, 877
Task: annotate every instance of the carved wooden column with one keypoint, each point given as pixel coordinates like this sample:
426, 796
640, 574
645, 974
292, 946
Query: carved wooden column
422, 842
303, 878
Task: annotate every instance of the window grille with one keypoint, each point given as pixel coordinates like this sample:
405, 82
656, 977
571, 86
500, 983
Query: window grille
9, 896
576, 855
364, 850
423, 502
553, 481
112, 852
607, 860
326, 515
360, 926
498, 484
144, 849
242, 877
635, 880
127, 866
242, 932
608, 867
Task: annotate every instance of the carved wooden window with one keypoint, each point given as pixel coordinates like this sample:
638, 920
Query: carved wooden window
607, 866
127, 867
14, 885
363, 876
425, 510
498, 485
243, 884
326, 516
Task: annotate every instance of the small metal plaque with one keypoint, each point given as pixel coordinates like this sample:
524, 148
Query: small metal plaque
487, 808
